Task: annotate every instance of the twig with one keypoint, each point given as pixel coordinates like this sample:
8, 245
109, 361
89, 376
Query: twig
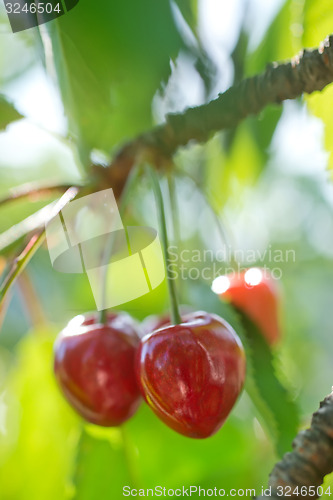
310, 461
34, 222
27, 226
37, 239
309, 71
33, 192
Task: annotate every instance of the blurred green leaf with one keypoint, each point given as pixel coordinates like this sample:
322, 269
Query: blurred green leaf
111, 58
317, 25
37, 451
103, 466
274, 395
317, 21
278, 44
263, 127
203, 63
8, 113
166, 458
228, 175
13, 237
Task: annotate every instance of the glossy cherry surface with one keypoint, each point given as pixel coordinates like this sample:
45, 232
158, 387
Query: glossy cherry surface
94, 366
254, 292
192, 373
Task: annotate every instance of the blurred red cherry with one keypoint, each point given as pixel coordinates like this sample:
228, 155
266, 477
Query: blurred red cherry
192, 373
253, 292
94, 366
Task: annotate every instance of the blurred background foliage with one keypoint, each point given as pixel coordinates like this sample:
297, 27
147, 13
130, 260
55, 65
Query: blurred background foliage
88, 82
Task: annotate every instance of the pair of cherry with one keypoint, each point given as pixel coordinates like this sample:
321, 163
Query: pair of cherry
190, 374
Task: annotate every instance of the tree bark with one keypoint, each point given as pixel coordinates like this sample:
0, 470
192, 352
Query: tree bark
311, 459
307, 72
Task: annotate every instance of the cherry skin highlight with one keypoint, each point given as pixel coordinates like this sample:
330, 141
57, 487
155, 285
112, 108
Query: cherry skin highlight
94, 367
191, 374
254, 292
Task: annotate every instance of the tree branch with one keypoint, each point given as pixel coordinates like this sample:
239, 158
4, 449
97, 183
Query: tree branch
309, 71
311, 459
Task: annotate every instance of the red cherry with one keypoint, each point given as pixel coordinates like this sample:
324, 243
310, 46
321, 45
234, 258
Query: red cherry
254, 292
192, 373
94, 366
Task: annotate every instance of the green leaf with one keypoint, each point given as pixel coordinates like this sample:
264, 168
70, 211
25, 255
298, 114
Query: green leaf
317, 21
8, 113
104, 464
11, 238
169, 459
37, 450
111, 58
275, 401
317, 25
228, 175
277, 45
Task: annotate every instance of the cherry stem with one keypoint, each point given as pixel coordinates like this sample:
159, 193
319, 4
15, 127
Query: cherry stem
174, 206
175, 222
175, 316
108, 251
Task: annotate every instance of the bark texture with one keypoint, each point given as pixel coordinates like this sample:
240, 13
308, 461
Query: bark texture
312, 456
307, 72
